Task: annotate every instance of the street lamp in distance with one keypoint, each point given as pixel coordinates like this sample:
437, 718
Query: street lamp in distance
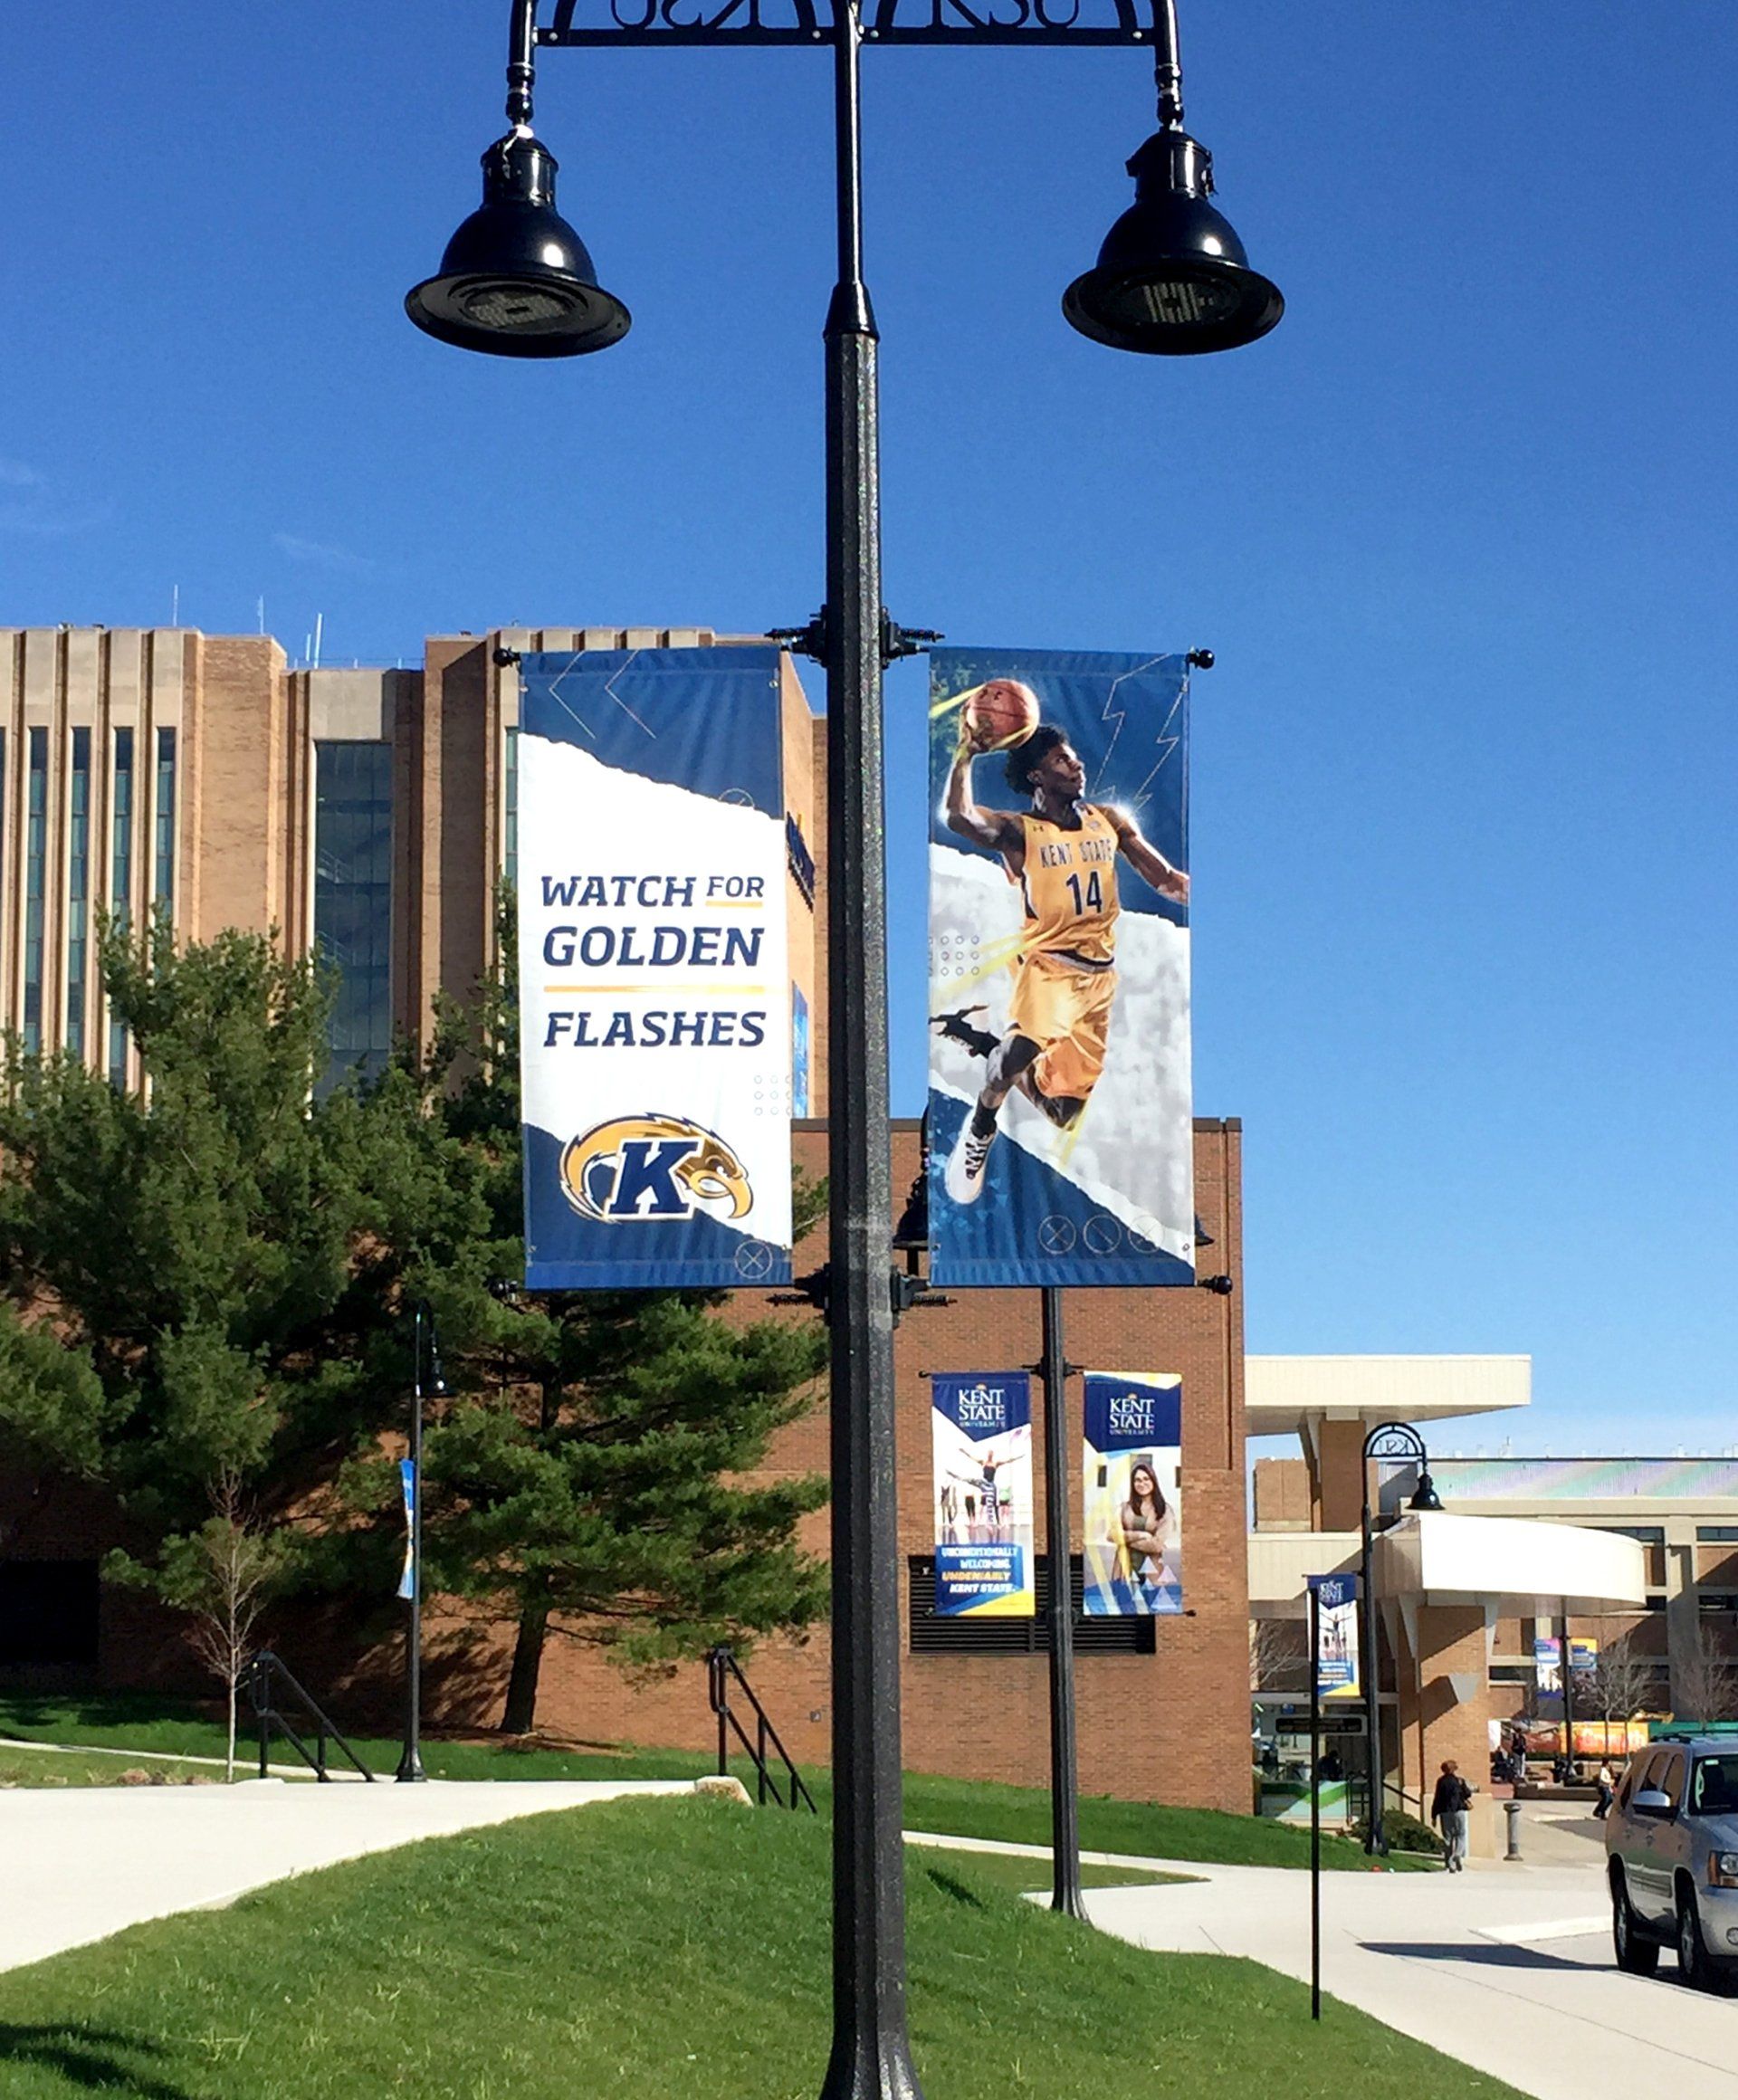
1386, 1440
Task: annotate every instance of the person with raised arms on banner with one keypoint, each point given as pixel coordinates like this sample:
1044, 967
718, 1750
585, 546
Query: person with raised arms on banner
1062, 854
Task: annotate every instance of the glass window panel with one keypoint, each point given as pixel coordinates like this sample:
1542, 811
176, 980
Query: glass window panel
353, 900
35, 861
78, 889
164, 887
120, 877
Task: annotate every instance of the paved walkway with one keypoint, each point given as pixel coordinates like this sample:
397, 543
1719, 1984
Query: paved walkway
85, 1862
1507, 1967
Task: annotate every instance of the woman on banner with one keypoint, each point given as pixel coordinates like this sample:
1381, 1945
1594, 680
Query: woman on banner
1146, 1531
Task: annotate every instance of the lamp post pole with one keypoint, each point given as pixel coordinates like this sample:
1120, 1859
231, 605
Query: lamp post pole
871, 2053
1064, 1801
1171, 279
1387, 1440
410, 1762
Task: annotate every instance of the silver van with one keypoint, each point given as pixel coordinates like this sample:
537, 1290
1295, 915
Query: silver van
1671, 1846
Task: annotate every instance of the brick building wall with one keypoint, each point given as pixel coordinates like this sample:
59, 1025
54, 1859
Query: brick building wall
1170, 1726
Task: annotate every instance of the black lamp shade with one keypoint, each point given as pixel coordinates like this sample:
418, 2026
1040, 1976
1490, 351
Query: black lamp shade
1172, 279
1425, 1496
516, 280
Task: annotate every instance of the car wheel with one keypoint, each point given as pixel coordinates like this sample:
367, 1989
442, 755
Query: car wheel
1637, 1955
1697, 1966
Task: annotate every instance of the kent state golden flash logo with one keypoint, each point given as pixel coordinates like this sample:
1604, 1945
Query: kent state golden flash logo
639, 1168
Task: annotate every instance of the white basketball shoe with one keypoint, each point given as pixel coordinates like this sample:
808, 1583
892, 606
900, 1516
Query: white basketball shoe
964, 1180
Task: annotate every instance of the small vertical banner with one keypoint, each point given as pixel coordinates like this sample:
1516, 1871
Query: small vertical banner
1132, 1545
653, 974
408, 1483
1336, 1646
981, 1432
1061, 1143
1583, 1655
1547, 1665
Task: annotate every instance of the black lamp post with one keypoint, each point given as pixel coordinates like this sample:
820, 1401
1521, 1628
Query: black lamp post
1387, 1440
517, 281
426, 1346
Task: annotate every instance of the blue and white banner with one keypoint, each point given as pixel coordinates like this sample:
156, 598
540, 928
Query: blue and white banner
1060, 1133
407, 1486
1336, 1645
981, 1431
1132, 1546
653, 981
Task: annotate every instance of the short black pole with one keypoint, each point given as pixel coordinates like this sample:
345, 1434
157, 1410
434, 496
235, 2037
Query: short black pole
1569, 1700
410, 1763
1373, 1840
1064, 1801
871, 2052
1315, 1802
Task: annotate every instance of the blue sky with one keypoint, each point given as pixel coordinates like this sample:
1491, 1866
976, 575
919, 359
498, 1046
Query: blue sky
1461, 532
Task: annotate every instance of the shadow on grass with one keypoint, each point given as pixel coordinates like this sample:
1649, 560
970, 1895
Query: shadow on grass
957, 1890
1486, 1955
91, 2056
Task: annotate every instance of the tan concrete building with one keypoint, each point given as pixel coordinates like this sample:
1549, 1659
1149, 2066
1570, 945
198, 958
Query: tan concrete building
366, 813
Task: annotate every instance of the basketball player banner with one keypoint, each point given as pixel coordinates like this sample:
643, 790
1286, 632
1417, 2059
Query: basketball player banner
1336, 1648
1060, 1131
1132, 1542
654, 999
981, 1432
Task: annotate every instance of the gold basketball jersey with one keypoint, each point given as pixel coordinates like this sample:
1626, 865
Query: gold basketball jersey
1069, 879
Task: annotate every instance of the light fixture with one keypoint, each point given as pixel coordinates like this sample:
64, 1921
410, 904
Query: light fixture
1172, 279
516, 280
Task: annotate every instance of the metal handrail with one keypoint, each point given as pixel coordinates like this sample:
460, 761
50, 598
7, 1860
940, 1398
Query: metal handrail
266, 1667
720, 1668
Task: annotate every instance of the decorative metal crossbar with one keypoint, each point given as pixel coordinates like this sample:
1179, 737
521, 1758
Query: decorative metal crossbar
812, 22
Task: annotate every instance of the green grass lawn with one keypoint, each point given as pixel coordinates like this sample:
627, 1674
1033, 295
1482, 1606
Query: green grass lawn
947, 1806
657, 1948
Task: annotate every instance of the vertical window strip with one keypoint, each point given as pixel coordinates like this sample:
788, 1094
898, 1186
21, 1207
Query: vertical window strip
35, 861
120, 879
164, 888
353, 901
78, 890
510, 858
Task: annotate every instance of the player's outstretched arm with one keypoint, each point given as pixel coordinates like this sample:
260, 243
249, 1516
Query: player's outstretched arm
1147, 861
993, 829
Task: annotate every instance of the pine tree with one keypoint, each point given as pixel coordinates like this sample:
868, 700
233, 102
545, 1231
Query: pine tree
199, 1280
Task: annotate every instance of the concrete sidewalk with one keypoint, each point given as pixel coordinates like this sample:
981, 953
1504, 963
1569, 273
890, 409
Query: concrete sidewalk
1508, 1968
85, 1862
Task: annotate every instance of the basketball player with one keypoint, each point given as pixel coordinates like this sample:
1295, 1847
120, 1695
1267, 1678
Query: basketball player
1063, 853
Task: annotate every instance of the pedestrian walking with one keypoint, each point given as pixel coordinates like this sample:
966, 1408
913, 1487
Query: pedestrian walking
1448, 1807
1605, 1778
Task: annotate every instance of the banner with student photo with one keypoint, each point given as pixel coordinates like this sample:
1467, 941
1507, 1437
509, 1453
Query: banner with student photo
1061, 1137
1336, 1643
1132, 1544
653, 981
981, 1437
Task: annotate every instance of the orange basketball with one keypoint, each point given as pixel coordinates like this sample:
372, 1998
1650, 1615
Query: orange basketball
1000, 713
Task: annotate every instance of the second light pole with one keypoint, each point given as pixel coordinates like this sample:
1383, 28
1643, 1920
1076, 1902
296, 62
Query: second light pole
1387, 1440
426, 1348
